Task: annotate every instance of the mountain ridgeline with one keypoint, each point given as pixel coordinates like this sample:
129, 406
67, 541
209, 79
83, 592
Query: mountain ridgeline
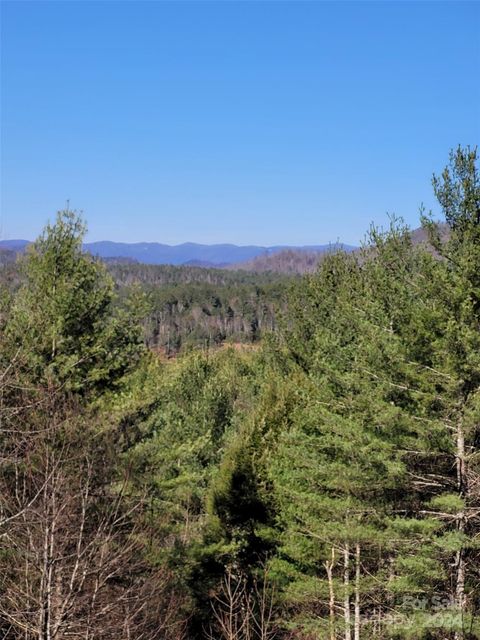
189, 253
320, 481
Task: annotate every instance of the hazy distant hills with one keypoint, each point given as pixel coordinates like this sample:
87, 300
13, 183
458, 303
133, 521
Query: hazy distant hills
289, 261
13, 245
219, 255
279, 259
215, 255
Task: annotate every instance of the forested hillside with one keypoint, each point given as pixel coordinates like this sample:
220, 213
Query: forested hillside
185, 307
324, 485
287, 261
191, 306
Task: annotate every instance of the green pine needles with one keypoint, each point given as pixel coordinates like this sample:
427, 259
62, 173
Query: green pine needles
320, 481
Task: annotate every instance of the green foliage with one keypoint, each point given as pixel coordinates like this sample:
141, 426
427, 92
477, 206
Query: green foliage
340, 455
376, 457
63, 326
458, 191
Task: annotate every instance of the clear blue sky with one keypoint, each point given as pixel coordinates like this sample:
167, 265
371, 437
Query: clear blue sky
245, 122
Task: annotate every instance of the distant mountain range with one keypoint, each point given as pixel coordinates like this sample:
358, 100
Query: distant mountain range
280, 259
189, 253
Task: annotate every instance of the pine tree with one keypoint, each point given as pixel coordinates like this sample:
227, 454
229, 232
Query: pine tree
72, 553
64, 326
386, 428
338, 470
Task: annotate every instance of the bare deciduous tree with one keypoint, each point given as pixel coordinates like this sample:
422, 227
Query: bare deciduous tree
243, 609
71, 554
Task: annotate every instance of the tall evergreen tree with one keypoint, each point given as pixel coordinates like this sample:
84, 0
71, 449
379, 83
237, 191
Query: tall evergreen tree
64, 327
372, 437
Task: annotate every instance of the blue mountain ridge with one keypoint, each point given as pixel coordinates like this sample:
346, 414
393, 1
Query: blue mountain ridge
188, 252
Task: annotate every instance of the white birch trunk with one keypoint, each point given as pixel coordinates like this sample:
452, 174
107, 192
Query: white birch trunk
346, 584
357, 593
460, 560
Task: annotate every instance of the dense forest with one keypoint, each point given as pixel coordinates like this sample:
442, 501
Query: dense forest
194, 306
187, 306
322, 485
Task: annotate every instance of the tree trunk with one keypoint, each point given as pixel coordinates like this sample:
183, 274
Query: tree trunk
460, 559
357, 592
331, 602
346, 584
